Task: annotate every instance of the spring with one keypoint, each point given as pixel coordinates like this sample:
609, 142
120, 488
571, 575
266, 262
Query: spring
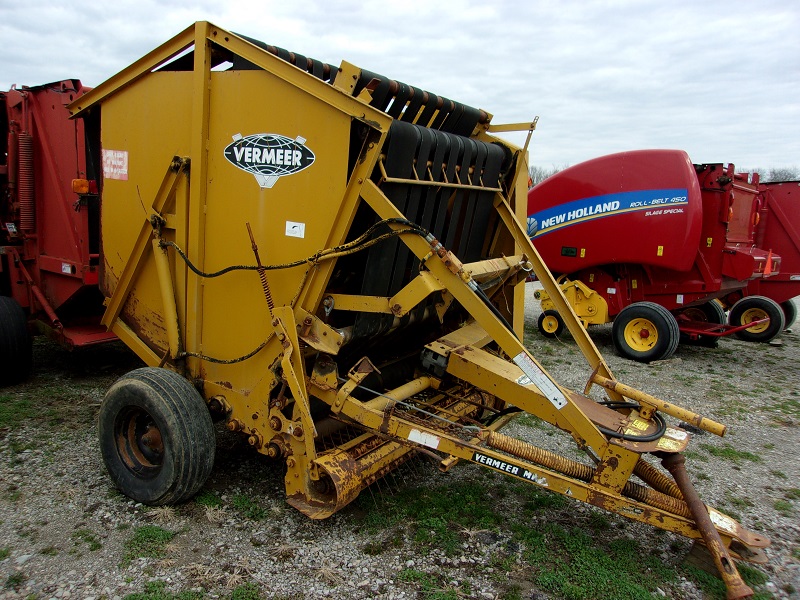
26, 183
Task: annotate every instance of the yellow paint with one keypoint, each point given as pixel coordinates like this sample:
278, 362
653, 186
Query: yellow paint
660, 251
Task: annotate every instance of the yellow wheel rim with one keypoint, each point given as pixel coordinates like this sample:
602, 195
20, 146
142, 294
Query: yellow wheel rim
641, 334
755, 314
550, 324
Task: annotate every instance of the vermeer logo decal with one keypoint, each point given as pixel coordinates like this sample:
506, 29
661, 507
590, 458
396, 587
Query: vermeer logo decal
269, 156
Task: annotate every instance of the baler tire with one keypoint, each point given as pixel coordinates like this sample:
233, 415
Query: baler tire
710, 312
156, 436
16, 347
752, 308
550, 324
789, 312
651, 320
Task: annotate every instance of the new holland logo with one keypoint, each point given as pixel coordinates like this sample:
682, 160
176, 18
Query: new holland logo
269, 156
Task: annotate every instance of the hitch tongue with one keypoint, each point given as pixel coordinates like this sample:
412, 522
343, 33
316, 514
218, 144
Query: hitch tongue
737, 588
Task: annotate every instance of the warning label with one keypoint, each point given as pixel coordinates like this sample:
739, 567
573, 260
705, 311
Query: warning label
115, 164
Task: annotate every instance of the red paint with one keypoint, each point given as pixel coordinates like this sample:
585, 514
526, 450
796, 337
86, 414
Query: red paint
53, 230
675, 257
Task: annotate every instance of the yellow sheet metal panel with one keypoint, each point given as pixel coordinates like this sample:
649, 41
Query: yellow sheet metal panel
261, 124
142, 129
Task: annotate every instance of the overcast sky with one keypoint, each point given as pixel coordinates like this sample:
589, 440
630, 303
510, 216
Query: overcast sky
719, 79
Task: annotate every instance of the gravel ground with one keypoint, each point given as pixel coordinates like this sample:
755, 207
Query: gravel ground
64, 529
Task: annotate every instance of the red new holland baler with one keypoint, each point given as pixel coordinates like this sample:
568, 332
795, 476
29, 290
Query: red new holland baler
49, 244
648, 240
778, 230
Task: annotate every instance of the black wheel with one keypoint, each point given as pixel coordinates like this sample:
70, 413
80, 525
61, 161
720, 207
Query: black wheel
755, 308
16, 349
551, 324
645, 332
709, 312
789, 313
156, 436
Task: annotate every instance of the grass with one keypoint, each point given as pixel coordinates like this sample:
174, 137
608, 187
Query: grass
157, 590
249, 507
208, 499
730, 453
784, 507
85, 535
147, 541
714, 589
15, 580
4, 553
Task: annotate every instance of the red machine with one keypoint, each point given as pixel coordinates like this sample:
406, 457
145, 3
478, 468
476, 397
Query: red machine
50, 226
649, 240
778, 230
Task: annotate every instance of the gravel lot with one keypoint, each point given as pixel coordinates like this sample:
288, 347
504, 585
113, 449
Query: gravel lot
65, 532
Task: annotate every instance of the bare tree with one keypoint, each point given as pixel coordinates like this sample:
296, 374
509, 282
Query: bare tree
775, 173
539, 174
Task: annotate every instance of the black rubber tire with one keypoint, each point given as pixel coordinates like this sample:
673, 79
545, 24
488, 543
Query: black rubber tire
170, 465
546, 320
756, 306
16, 348
709, 312
789, 313
658, 321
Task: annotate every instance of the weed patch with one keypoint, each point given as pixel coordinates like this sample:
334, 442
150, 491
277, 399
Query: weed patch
730, 453
147, 541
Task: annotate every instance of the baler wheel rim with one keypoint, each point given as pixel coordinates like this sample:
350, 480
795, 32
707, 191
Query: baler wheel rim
551, 325
645, 331
752, 308
156, 436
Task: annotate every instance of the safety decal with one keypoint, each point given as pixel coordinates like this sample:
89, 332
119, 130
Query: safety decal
542, 381
667, 201
268, 156
115, 164
504, 467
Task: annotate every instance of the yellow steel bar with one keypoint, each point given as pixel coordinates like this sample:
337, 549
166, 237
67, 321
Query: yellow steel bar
529, 126
436, 439
131, 73
135, 343
167, 299
198, 190
136, 258
422, 286
665, 407
430, 182
314, 290
293, 371
373, 304
581, 427
579, 334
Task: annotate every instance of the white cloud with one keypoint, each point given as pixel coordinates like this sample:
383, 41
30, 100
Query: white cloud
718, 79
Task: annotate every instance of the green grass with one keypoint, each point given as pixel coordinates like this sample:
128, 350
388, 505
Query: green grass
4, 553
15, 411
730, 453
432, 587
208, 499
15, 580
157, 590
248, 591
779, 474
784, 507
792, 494
714, 589
85, 535
147, 541
249, 507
